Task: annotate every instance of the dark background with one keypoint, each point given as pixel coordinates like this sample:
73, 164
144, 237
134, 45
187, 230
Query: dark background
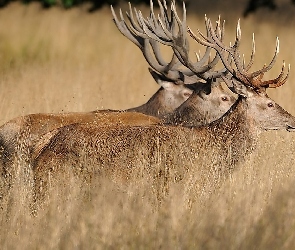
251, 6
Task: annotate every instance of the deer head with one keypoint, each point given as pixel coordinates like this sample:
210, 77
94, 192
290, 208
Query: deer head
202, 108
264, 112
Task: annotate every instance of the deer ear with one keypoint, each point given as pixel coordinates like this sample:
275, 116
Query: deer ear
162, 80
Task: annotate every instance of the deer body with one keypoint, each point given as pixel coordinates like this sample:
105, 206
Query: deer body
158, 150
110, 145
155, 151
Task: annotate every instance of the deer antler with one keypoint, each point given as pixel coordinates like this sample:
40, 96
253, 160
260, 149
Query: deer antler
136, 33
170, 30
241, 71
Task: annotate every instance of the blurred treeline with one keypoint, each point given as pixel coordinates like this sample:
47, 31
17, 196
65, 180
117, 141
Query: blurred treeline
250, 6
95, 4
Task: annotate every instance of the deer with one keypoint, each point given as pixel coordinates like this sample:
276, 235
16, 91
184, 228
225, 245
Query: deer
165, 152
209, 93
177, 82
175, 70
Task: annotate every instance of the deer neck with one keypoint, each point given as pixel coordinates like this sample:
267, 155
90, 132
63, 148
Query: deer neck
238, 116
235, 116
234, 132
154, 106
189, 114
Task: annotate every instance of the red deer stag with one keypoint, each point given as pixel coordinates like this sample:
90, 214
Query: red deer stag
162, 151
174, 71
203, 69
18, 136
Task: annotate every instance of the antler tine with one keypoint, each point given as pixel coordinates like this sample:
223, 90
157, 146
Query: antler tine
241, 72
238, 33
121, 25
130, 16
152, 25
152, 14
255, 79
247, 68
164, 14
166, 35
265, 69
162, 35
181, 23
164, 2
198, 55
279, 81
208, 51
163, 30
178, 41
213, 41
135, 34
244, 62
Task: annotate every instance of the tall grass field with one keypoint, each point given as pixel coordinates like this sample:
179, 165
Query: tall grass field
58, 60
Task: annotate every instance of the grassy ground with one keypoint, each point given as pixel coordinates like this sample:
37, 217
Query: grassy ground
54, 61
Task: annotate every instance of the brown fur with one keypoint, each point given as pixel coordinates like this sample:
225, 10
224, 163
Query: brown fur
162, 153
20, 135
158, 151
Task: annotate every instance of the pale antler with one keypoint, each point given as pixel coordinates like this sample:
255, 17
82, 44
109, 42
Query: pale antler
240, 72
169, 30
163, 30
135, 32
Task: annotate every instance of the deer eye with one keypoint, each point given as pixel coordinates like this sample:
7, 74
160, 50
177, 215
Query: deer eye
270, 105
224, 98
186, 94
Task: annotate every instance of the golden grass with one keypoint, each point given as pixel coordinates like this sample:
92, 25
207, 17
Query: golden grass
53, 61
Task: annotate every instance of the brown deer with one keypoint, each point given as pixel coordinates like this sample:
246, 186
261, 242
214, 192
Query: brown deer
163, 103
18, 136
202, 70
166, 151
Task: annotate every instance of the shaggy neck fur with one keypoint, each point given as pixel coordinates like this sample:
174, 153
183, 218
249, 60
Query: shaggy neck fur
234, 133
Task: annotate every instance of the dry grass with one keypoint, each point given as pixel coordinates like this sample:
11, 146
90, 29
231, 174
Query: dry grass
52, 61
